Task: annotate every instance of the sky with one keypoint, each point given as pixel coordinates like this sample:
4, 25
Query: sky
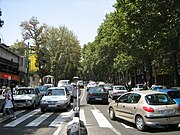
82, 17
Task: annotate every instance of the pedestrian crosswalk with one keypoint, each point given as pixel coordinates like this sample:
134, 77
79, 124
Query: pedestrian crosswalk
35, 118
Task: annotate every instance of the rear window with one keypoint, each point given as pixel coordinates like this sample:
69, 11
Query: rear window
159, 99
174, 94
97, 89
119, 88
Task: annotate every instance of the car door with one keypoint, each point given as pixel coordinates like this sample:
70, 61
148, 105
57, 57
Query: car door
130, 107
120, 104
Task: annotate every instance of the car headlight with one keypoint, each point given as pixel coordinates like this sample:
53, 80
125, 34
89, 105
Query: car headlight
43, 101
61, 102
28, 101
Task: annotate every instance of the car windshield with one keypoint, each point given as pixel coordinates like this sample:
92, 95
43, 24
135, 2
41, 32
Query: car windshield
24, 91
174, 94
55, 92
159, 99
42, 88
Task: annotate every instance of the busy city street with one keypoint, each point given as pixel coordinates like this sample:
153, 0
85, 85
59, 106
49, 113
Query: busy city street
94, 116
90, 67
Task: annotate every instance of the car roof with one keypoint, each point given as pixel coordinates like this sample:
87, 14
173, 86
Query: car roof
56, 88
25, 88
118, 86
146, 92
166, 90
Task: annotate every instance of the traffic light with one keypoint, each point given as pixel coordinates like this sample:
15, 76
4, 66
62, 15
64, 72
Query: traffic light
1, 21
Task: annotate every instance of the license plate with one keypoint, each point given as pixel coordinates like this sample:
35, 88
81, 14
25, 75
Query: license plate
51, 105
98, 98
167, 111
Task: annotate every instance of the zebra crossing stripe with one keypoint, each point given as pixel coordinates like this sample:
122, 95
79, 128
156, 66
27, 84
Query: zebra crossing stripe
57, 122
38, 121
16, 113
101, 120
82, 116
21, 119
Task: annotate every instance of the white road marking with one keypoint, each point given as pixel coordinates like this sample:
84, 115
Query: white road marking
101, 120
57, 122
82, 116
21, 119
16, 113
58, 130
115, 131
40, 119
126, 126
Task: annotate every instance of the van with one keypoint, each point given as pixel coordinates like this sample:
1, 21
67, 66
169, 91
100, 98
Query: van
63, 83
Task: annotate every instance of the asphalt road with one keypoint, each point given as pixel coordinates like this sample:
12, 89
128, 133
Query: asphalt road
94, 116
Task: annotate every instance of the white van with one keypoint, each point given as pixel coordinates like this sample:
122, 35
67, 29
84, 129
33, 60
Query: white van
63, 83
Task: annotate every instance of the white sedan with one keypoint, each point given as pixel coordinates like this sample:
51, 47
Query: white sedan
117, 91
55, 98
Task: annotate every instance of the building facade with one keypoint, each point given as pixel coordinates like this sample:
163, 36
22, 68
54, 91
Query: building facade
13, 67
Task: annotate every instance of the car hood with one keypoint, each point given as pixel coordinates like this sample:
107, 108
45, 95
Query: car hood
177, 100
54, 98
23, 97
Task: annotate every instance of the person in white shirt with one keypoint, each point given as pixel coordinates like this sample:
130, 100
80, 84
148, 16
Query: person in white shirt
8, 103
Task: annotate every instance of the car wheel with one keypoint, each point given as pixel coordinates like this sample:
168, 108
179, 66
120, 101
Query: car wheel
112, 114
173, 126
43, 110
34, 105
140, 124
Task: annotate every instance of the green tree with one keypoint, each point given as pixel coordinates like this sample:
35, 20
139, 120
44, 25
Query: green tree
34, 32
64, 52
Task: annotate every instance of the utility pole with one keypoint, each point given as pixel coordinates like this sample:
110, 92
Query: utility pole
27, 65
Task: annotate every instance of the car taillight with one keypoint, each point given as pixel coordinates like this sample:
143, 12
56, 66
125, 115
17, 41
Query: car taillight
148, 109
178, 107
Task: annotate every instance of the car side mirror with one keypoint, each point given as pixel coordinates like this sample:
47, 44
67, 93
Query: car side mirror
117, 101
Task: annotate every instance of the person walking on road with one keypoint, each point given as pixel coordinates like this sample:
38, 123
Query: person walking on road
8, 107
76, 98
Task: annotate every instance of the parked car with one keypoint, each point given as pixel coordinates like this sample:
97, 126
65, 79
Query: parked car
173, 93
138, 87
55, 98
117, 91
96, 95
146, 108
26, 97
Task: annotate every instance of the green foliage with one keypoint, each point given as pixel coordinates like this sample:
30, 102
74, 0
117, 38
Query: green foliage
19, 48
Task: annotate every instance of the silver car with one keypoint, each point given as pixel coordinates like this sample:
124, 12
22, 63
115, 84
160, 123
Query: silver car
55, 98
146, 108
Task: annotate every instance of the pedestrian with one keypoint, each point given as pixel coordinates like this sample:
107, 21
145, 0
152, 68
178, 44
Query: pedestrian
8, 107
76, 98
